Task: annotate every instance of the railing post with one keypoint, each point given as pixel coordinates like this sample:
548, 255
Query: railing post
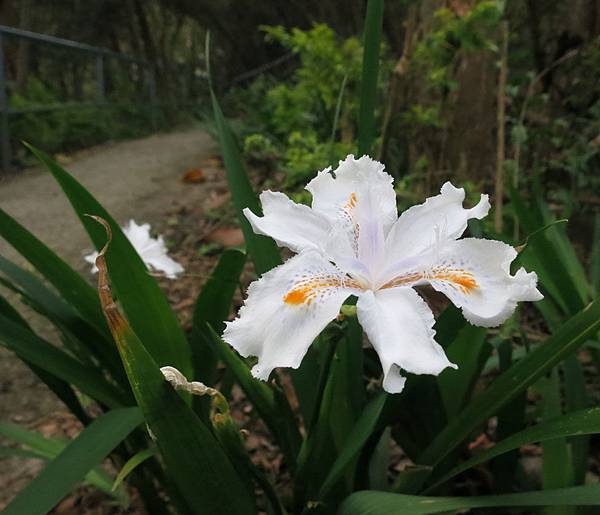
152, 93
100, 89
5, 136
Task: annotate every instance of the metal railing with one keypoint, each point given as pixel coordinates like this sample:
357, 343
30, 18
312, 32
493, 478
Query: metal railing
100, 55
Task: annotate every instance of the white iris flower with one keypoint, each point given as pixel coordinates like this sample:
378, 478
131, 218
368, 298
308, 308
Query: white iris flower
352, 242
153, 251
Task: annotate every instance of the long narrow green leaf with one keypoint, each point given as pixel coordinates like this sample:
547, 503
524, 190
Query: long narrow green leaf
262, 250
379, 462
14, 452
415, 424
196, 462
74, 289
46, 302
572, 424
557, 470
362, 431
198, 466
347, 387
565, 251
305, 380
518, 377
43, 447
214, 302
382, 503
553, 257
469, 349
31, 348
79, 457
576, 398
139, 294
60, 388
370, 74
213, 306
562, 275
336, 118
273, 408
595, 264
511, 419
133, 462
70, 343
49, 448
318, 451
411, 479
338, 406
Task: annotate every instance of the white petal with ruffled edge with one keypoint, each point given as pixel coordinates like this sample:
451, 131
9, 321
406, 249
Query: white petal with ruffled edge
439, 218
363, 177
399, 325
153, 251
475, 275
359, 199
291, 225
155, 256
285, 311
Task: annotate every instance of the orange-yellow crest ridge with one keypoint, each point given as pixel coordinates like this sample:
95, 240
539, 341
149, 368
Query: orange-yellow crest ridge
297, 296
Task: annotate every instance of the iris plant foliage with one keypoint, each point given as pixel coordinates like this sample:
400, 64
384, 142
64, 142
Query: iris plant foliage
161, 406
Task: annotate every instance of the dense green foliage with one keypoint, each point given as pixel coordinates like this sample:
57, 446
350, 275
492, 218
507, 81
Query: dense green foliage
299, 126
62, 98
431, 99
68, 129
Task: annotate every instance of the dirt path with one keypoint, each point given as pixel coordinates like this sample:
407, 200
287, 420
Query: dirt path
132, 179
138, 179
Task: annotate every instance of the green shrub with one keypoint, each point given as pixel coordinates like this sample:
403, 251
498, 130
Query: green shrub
296, 117
67, 128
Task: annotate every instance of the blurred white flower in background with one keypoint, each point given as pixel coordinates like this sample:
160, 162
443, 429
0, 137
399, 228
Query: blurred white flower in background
153, 251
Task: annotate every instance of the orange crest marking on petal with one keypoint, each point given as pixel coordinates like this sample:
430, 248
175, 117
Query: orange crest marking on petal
347, 210
298, 296
461, 278
458, 278
308, 289
403, 280
352, 202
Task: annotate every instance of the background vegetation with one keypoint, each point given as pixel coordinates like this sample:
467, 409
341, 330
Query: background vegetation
283, 71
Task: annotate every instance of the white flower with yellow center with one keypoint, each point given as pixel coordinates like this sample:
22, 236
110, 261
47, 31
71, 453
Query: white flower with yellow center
153, 251
352, 242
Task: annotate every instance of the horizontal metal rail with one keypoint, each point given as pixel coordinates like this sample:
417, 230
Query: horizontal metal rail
89, 105
67, 43
71, 105
98, 53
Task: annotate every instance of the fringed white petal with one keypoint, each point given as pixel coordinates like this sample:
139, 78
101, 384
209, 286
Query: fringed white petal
91, 259
363, 177
475, 275
291, 225
438, 219
399, 325
153, 251
359, 198
285, 311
